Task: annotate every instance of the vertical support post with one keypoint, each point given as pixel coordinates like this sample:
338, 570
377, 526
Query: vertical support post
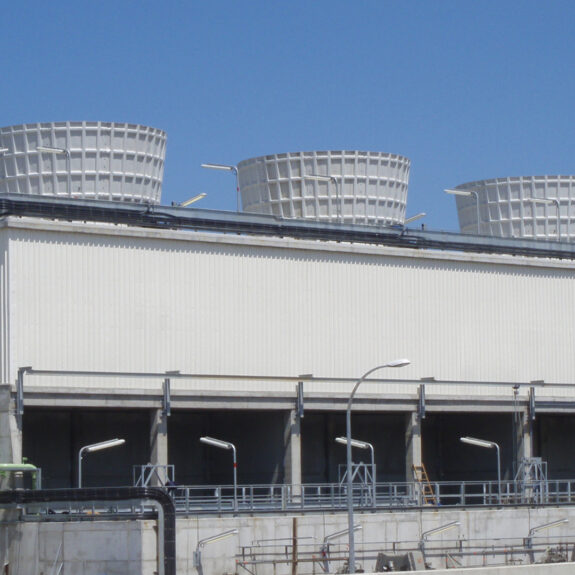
158, 441
525, 438
292, 457
413, 455
10, 430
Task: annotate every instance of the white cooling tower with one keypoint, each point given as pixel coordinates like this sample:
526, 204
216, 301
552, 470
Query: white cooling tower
333, 186
88, 160
523, 207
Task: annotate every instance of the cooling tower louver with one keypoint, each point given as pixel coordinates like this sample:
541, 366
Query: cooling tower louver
83, 160
348, 187
541, 207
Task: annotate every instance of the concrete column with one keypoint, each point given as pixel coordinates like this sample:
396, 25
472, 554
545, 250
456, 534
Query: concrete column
524, 437
292, 453
158, 441
10, 433
413, 454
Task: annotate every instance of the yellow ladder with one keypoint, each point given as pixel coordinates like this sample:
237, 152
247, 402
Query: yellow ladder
420, 475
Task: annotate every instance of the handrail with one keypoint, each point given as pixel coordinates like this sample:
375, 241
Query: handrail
397, 495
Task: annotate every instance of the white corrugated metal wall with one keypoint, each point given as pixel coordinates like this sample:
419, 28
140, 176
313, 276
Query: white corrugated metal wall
98, 297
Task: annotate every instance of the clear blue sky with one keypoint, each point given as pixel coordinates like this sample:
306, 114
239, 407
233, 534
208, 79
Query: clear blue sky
467, 89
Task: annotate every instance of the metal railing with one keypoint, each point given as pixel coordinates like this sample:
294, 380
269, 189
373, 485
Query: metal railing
333, 496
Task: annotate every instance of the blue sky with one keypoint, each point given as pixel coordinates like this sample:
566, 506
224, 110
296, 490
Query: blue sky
467, 89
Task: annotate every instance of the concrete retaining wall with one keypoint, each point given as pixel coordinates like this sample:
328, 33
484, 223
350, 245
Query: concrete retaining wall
264, 545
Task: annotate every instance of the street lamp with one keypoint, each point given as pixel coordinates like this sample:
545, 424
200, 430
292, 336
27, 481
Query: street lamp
533, 530
468, 193
364, 445
324, 551
228, 168
203, 542
95, 447
226, 445
396, 363
557, 206
413, 218
66, 152
435, 531
190, 201
331, 179
487, 445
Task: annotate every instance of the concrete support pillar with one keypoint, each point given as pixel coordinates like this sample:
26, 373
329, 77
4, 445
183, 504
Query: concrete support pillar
10, 432
292, 457
524, 437
413, 454
158, 440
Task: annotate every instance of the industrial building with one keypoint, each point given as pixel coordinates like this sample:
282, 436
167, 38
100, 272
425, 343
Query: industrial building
120, 317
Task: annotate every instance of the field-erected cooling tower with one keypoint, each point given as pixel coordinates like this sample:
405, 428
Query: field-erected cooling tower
522, 207
333, 186
83, 160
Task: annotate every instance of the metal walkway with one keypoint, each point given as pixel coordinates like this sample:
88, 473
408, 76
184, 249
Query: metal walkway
177, 218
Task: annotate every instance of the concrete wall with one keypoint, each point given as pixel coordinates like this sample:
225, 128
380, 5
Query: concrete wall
93, 548
263, 544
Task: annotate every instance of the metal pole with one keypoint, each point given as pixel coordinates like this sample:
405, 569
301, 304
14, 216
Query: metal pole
557, 205
339, 197
235, 170
351, 561
477, 209
373, 474
498, 473
69, 170
80, 454
235, 478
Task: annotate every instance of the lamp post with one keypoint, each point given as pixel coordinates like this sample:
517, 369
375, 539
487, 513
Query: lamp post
533, 530
487, 445
95, 447
227, 168
338, 197
435, 531
413, 218
324, 551
190, 201
364, 445
226, 445
557, 206
66, 152
396, 363
203, 542
468, 193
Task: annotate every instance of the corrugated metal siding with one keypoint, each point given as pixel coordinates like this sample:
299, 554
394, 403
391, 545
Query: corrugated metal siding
113, 302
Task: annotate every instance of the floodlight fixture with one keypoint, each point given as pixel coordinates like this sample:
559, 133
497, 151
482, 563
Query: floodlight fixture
333, 180
95, 447
550, 201
468, 193
228, 168
487, 445
52, 150
394, 363
413, 218
192, 200
226, 445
